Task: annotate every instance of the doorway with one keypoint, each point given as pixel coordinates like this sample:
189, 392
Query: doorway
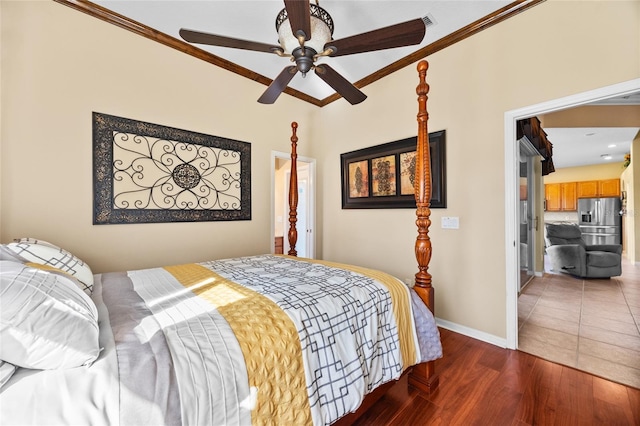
305, 224
512, 186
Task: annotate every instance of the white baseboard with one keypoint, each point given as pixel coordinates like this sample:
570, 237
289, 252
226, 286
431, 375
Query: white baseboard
472, 332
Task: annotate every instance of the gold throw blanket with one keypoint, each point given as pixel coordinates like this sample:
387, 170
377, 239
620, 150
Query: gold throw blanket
269, 342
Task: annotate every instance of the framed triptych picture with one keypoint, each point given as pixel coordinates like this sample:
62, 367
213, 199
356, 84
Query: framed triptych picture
382, 176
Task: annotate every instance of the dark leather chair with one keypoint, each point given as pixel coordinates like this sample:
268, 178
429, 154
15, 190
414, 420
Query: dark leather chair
569, 253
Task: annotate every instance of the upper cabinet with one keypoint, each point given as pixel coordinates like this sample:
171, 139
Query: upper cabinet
560, 197
569, 198
552, 197
610, 188
588, 189
563, 197
599, 188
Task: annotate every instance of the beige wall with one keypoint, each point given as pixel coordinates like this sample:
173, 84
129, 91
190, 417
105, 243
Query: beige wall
593, 116
635, 150
631, 220
582, 173
58, 65
473, 83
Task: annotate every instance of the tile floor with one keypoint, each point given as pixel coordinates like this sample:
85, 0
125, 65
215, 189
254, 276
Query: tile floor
589, 324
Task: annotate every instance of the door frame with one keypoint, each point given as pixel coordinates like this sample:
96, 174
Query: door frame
512, 237
311, 208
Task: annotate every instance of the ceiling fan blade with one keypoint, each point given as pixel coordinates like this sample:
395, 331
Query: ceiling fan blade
222, 41
340, 84
299, 15
398, 35
278, 85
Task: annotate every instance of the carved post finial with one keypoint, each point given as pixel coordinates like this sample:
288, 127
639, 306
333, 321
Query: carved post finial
293, 192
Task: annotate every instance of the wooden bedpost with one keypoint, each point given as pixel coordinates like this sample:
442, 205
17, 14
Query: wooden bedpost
293, 193
422, 192
423, 375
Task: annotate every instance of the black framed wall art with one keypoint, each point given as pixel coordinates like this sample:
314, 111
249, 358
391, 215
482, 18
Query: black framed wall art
382, 176
148, 173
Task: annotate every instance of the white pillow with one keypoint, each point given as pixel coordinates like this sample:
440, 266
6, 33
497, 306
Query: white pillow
6, 371
46, 321
7, 254
45, 253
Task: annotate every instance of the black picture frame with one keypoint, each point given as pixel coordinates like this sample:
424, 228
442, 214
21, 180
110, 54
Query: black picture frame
380, 176
187, 163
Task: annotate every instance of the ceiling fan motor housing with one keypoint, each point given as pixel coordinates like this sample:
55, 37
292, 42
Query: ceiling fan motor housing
303, 57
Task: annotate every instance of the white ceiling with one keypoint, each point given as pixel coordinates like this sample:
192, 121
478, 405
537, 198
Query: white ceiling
255, 21
582, 146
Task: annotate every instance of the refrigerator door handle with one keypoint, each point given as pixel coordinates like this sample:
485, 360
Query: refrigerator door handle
597, 212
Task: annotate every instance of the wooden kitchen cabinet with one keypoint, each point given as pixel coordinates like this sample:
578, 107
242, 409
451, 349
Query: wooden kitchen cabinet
599, 188
569, 196
553, 197
609, 188
561, 197
588, 189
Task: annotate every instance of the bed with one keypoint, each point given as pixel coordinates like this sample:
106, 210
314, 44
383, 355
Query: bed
268, 339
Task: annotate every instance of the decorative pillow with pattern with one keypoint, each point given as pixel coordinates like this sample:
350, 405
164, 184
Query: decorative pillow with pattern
45, 253
46, 321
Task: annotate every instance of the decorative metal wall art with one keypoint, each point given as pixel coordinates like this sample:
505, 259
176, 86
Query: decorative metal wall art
382, 176
147, 173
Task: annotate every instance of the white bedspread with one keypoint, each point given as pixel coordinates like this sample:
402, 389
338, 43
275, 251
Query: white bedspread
169, 357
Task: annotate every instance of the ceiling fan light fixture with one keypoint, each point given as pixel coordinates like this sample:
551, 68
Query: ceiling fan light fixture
321, 30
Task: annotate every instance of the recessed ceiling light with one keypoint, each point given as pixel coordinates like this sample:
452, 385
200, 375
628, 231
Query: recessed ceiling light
611, 145
606, 156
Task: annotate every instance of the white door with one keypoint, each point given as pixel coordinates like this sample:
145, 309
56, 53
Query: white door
305, 224
304, 239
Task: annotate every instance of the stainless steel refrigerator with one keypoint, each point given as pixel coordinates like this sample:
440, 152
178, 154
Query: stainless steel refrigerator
600, 220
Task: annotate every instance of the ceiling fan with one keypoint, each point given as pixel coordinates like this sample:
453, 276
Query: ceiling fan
305, 34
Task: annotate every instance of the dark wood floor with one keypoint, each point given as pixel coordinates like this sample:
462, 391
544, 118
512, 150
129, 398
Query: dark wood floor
481, 384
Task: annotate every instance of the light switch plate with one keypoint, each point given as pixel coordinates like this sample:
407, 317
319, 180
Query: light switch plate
449, 222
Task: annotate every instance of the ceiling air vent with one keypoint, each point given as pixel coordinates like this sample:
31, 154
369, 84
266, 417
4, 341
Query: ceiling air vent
428, 20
